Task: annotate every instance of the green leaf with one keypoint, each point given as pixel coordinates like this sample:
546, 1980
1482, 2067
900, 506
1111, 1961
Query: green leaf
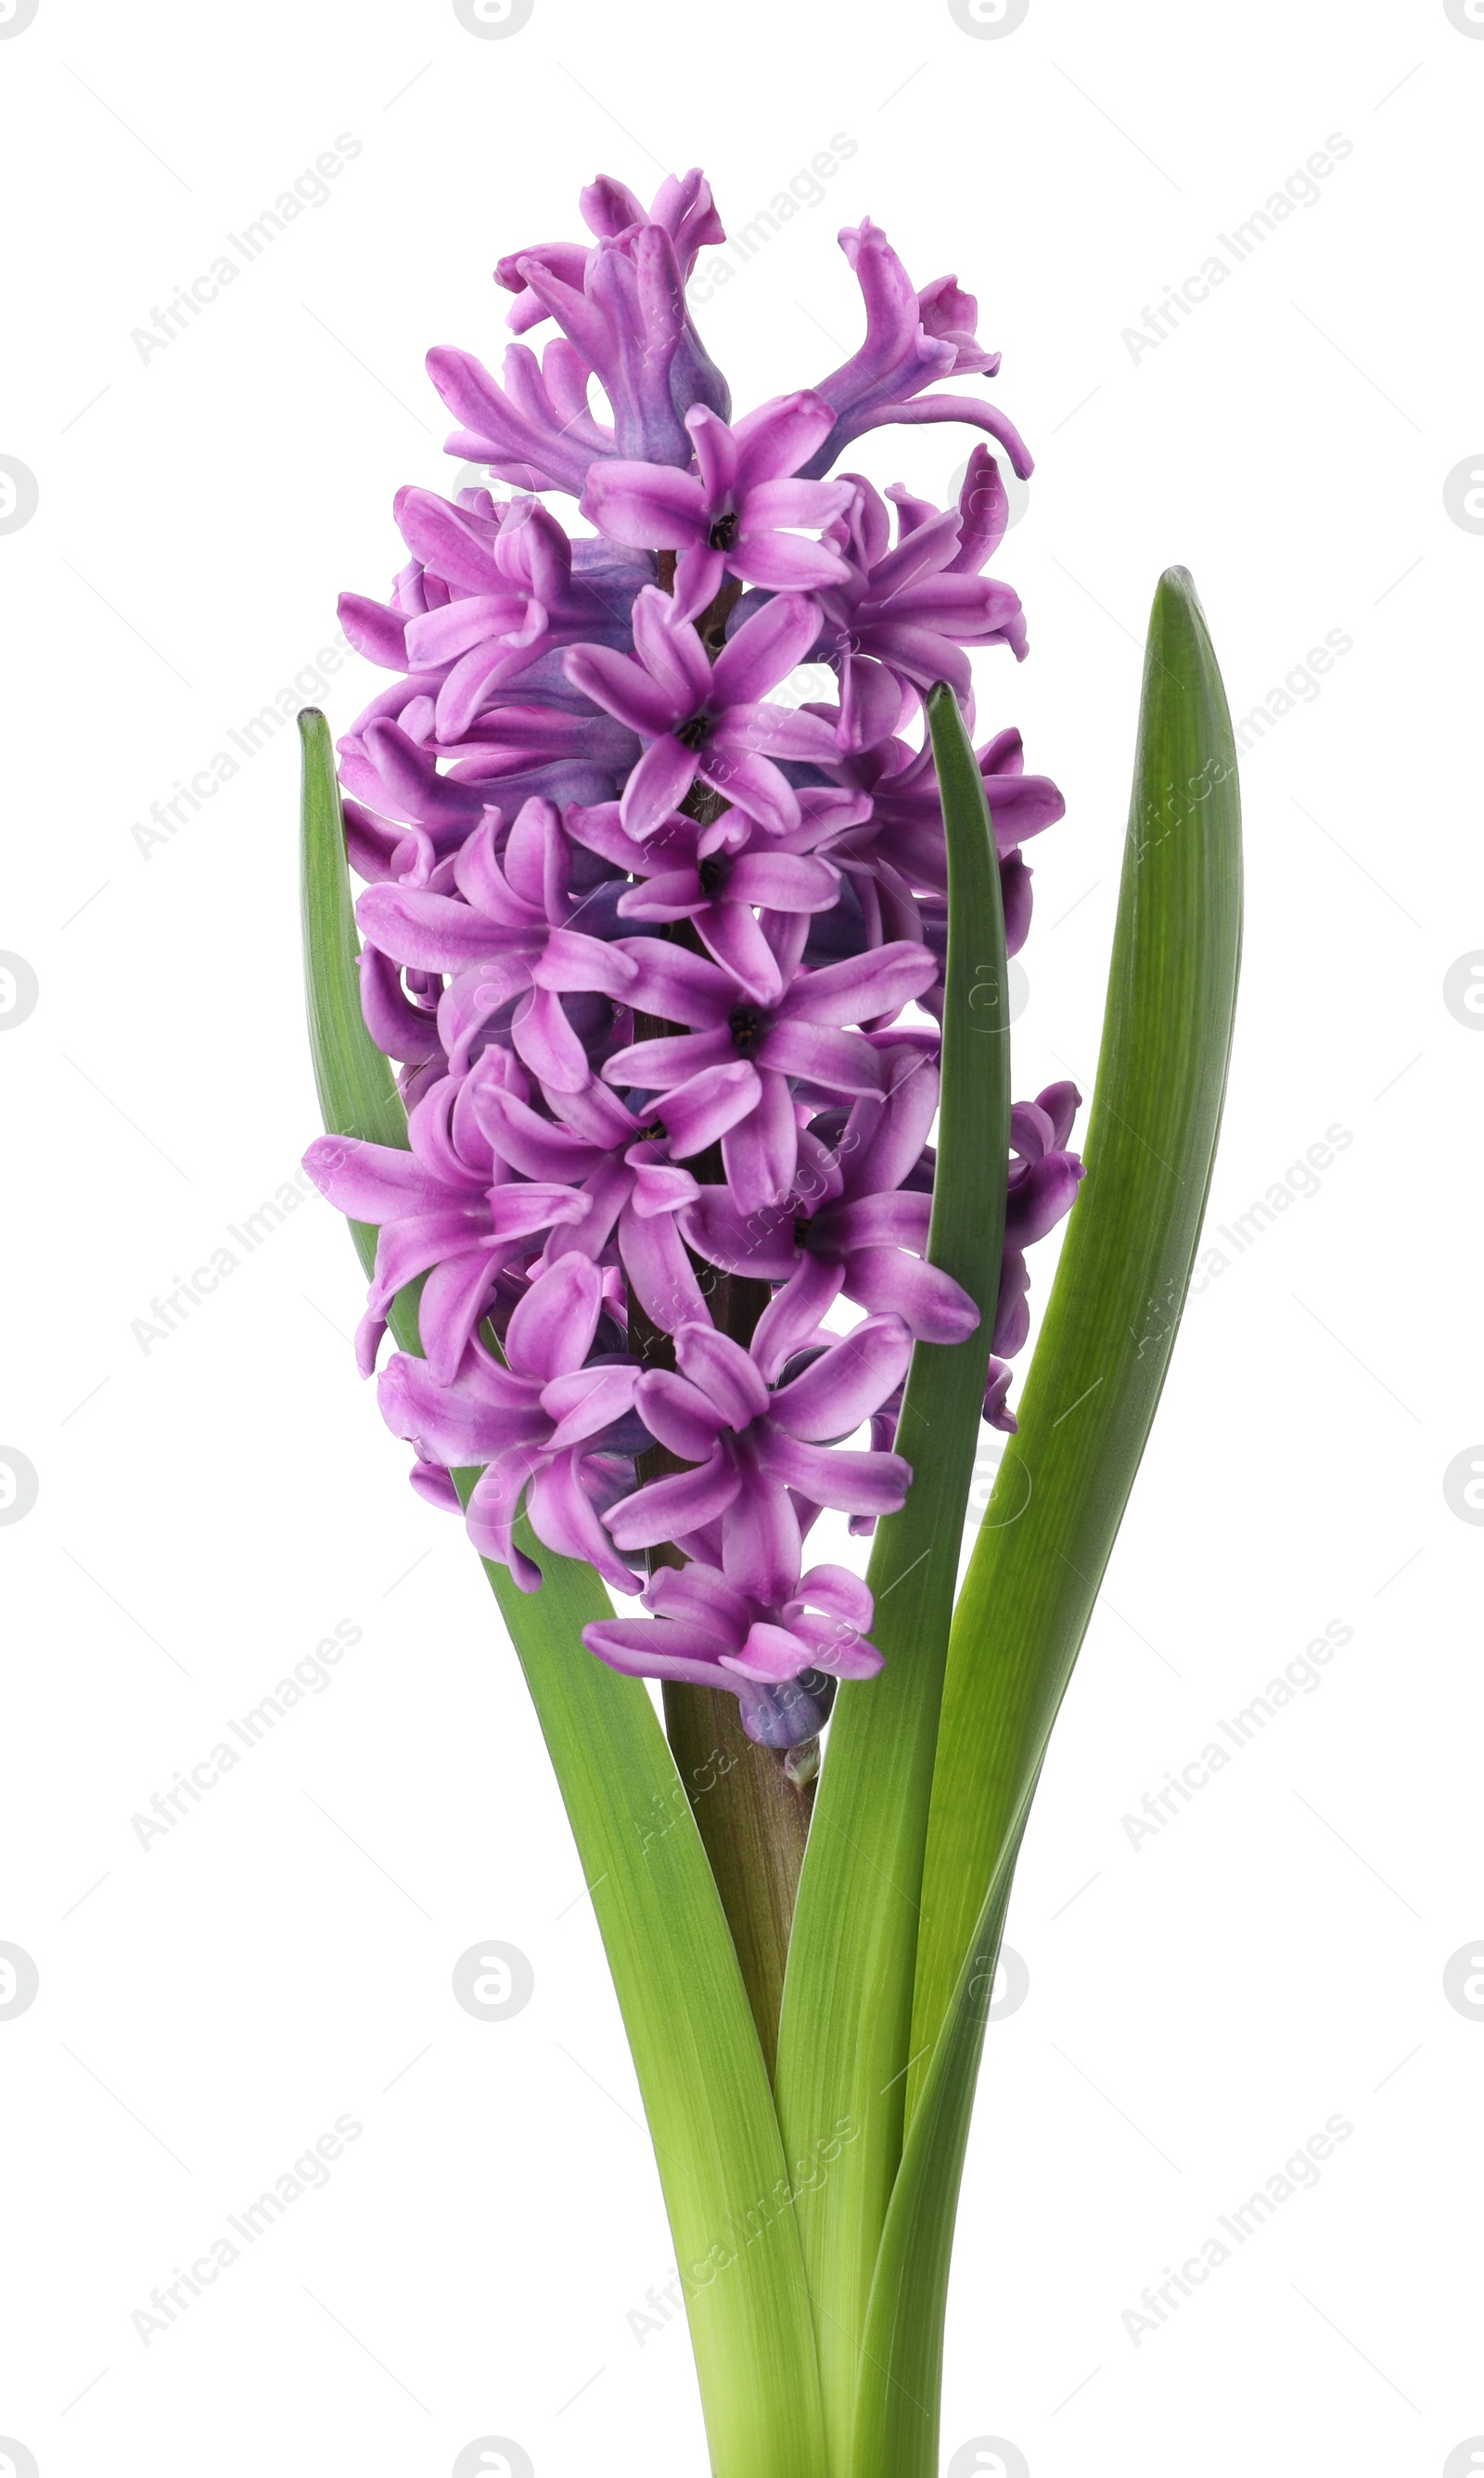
848, 1998
696, 2051
1120, 1290
901, 2357
1085, 1416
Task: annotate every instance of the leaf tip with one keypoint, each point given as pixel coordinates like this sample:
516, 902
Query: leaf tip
1177, 584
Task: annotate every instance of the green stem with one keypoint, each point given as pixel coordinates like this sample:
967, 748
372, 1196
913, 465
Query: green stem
754, 1822
848, 2001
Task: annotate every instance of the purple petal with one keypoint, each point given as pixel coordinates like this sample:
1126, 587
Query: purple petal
658, 784
1038, 1203
431, 932
1061, 1103
585, 1400
852, 1483
760, 1155
453, 1299
786, 562
622, 687
765, 649
530, 1144
930, 1302
707, 1106
784, 881
670, 1508
752, 783
546, 1040
666, 980
791, 1321
838, 1592
843, 1388
723, 1371
651, 506
882, 1220
434, 1483
456, 1426
700, 1597
571, 960
564, 1519
840, 1062
760, 1243
374, 631
552, 1329
960, 408
653, 1066
864, 987
715, 456
658, 1271
761, 1544
493, 1509
891, 1138
771, 1652
373, 1182
679, 1415
780, 435
670, 650
409, 1244
645, 1648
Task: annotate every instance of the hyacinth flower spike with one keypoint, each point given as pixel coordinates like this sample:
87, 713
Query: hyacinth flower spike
664, 1068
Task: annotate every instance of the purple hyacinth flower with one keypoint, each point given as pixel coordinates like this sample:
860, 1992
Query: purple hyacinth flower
704, 719
533, 1424
911, 340
619, 1171
850, 1226
447, 1208
909, 610
546, 928
1044, 1182
536, 431
513, 594
741, 510
555, 275
704, 1632
504, 939
727, 878
997, 1413
609, 208
753, 1448
802, 1036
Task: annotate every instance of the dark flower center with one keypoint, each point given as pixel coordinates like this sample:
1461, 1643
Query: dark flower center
713, 874
747, 1025
723, 532
696, 733
655, 1133
801, 1230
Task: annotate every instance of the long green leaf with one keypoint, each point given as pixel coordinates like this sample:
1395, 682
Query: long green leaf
1120, 1290
696, 2051
1088, 1405
848, 1999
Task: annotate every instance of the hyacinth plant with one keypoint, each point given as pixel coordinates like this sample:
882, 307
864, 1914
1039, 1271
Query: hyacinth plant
665, 1069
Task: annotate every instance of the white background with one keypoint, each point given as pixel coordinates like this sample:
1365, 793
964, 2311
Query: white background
208, 1508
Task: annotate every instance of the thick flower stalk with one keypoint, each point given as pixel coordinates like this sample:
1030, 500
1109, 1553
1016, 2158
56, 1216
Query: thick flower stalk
655, 932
